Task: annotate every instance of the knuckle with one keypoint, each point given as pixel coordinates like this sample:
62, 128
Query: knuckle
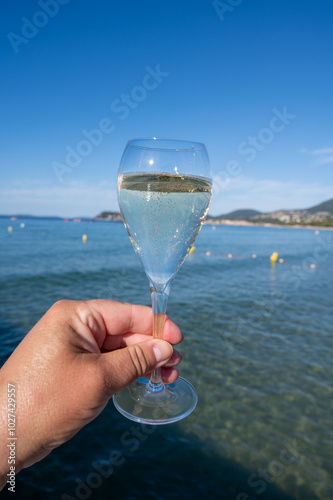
139, 359
61, 304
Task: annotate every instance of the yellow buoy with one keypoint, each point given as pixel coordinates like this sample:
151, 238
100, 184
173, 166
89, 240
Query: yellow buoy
10, 229
192, 249
313, 266
208, 253
317, 232
229, 255
84, 238
281, 261
274, 257
254, 256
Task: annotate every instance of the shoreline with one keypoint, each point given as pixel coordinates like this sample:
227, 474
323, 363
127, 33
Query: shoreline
245, 223
209, 222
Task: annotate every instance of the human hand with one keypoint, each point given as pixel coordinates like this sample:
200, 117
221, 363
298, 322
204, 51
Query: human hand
72, 361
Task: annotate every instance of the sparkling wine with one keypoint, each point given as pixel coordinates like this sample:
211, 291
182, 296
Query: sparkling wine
163, 214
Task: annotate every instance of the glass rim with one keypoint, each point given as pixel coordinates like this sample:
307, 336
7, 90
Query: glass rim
196, 146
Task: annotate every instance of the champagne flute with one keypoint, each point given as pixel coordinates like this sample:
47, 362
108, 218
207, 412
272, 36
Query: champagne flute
164, 192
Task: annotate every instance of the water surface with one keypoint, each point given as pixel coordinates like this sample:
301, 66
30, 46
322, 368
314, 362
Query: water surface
258, 349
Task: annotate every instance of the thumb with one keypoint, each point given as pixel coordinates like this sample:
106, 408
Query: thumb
123, 366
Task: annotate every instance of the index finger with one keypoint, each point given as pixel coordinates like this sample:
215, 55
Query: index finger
122, 318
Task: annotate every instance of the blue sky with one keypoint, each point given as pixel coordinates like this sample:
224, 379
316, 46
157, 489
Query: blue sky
250, 79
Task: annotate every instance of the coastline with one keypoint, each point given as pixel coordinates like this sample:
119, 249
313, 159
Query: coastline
210, 222
228, 222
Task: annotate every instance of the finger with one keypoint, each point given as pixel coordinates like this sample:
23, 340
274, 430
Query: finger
169, 375
120, 368
171, 332
172, 335
123, 318
174, 360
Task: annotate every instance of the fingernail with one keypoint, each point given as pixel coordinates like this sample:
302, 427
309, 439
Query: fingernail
162, 350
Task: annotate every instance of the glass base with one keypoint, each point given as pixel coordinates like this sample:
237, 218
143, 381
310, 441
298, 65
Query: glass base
175, 402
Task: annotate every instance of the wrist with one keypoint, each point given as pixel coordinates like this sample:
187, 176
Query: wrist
10, 463
4, 466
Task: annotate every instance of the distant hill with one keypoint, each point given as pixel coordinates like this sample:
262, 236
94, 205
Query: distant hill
321, 214
45, 217
109, 216
327, 206
27, 216
245, 213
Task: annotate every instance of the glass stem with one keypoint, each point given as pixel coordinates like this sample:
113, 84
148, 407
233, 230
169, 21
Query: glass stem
159, 303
